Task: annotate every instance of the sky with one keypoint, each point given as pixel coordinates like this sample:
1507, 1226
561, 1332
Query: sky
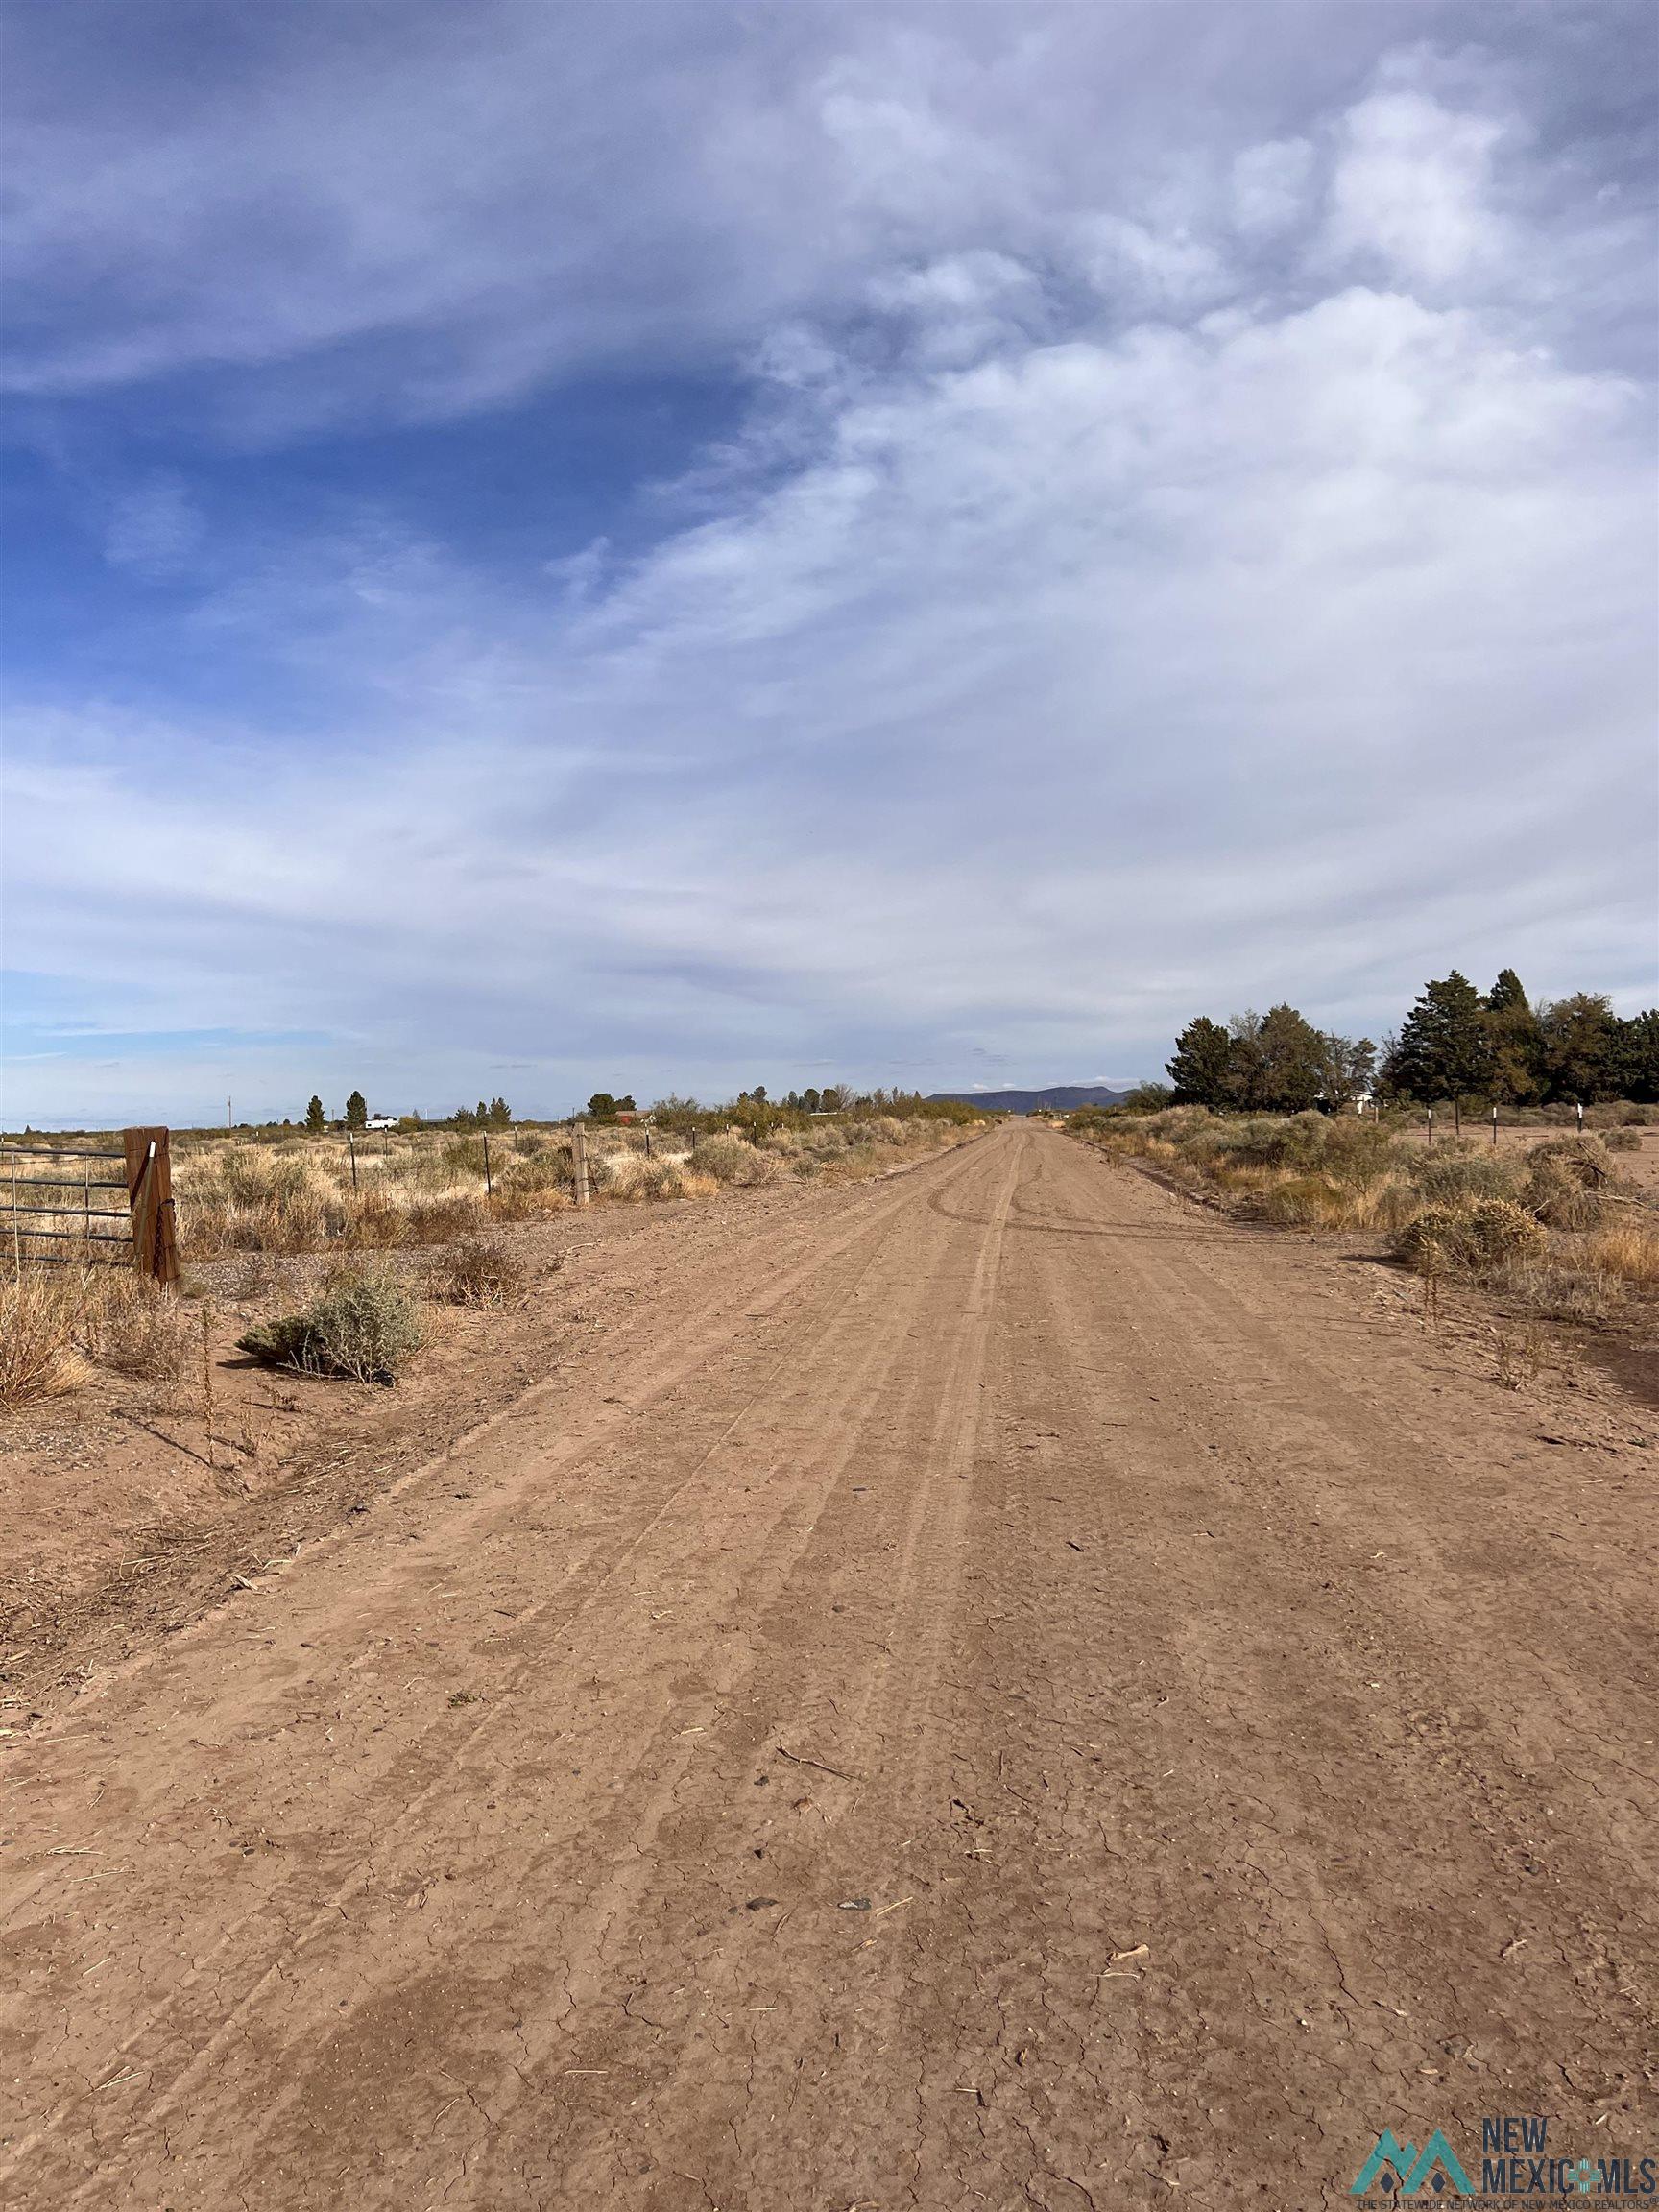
669, 547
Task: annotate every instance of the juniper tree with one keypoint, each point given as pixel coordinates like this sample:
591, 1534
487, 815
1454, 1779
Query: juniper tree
357, 1111
316, 1120
1201, 1065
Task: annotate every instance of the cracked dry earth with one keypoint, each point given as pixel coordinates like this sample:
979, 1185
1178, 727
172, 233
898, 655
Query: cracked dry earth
1008, 1691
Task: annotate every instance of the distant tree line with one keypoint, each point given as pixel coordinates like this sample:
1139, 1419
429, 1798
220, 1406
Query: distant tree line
497, 1114
1272, 1063
1456, 1044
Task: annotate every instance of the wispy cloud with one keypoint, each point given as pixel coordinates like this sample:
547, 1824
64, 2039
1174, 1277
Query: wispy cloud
1163, 568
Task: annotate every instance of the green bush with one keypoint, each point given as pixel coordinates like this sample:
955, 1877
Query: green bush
362, 1324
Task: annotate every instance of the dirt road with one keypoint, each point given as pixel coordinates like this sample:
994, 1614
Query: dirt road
1008, 1690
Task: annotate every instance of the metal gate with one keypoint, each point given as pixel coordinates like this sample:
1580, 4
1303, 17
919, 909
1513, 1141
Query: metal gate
69, 1205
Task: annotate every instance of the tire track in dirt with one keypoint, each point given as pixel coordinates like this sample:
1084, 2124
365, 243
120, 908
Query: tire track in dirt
1179, 1843
844, 1320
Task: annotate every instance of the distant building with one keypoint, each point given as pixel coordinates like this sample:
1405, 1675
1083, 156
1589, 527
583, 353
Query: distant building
381, 1121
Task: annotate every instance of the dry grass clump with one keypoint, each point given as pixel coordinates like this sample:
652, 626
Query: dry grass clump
436, 1220
1628, 1252
135, 1328
477, 1271
362, 1324
55, 1327
38, 1358
1556, 1291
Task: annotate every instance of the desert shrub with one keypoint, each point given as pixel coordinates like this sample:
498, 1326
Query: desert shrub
135, 1328
477, 1271
1476, 1235
1454, 1176
362, 1324
436, 1221
374, 1220
550, 1168
464, 1156
37, 1354
1622, 1139
1566, 1180
732, 1159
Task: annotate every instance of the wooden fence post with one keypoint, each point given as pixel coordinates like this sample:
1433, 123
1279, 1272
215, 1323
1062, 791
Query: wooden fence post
579, 1160
150, 1200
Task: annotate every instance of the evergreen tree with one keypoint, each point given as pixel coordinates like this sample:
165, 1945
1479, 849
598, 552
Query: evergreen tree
1580, 1039
1201, 1066
602, 1107
1443, 1050
500, 1114
357, 1111
1291, 1054
1517, 1042
316, 1120
1634, 1066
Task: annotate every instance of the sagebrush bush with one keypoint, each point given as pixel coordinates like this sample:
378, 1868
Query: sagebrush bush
734, 1161
362, 1324
1479, 1234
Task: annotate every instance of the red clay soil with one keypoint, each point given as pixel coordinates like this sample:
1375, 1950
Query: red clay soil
993, 1687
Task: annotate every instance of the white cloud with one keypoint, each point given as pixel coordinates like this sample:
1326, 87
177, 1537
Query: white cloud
1411, 187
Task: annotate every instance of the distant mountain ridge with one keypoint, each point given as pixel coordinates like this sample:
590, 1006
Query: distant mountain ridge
1056, 1098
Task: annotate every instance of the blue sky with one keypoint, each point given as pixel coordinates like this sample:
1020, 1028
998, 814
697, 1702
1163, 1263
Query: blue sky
673, 546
